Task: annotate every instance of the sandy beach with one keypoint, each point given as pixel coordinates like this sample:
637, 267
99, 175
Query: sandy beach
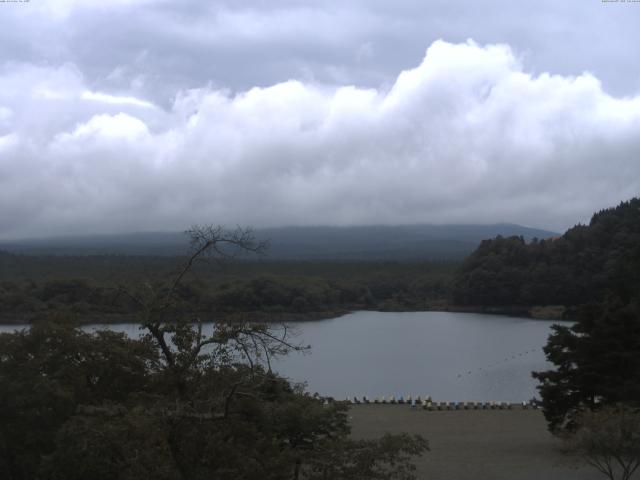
476, 444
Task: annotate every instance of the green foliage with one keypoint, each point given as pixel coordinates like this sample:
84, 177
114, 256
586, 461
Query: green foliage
582, 266
598, 359
597, 363
75, 405
176, 404
595, 269
47, 372
262, 289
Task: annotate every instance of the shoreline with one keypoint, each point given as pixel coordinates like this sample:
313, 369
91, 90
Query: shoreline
125, 318
8, 319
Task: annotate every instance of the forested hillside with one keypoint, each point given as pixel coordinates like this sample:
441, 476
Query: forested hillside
596, 360
583, 265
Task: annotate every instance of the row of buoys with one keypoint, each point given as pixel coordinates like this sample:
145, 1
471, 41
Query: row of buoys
506, 359
426, 403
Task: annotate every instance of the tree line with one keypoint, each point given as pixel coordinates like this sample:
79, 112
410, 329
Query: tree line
585, 264
261, 289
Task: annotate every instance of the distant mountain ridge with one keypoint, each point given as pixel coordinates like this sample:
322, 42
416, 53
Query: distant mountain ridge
387, 242
374, 242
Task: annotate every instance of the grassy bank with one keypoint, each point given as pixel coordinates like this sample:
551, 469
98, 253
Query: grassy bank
476, 444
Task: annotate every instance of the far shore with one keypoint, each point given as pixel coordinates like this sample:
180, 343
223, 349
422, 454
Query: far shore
555, 313
9, 319
476, 444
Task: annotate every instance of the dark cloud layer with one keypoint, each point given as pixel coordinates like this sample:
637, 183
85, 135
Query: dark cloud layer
150, 114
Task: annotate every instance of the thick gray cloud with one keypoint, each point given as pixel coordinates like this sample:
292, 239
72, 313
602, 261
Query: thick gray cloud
150, 114
166, 45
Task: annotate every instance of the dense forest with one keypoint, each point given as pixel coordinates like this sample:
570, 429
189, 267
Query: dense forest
585, 264
597, 358
88, 287
509, 274
305, 273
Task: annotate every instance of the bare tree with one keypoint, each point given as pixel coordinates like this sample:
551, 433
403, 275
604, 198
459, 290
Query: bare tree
182, 341
609, 440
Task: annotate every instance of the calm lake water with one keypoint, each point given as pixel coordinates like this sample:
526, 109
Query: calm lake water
450, 356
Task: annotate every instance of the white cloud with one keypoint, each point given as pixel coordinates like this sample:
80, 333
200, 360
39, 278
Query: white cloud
5, 116
467, 136
109, 127
115, 99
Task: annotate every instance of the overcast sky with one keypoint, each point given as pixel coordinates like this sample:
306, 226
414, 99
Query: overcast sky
131, 115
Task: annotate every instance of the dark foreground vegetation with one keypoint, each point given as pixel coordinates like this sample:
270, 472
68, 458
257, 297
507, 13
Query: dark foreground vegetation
176, 404
102, 406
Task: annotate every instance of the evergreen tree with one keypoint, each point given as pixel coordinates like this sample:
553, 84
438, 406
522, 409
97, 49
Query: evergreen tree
597, 363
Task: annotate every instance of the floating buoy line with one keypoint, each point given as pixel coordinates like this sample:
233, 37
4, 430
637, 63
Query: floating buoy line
506, 359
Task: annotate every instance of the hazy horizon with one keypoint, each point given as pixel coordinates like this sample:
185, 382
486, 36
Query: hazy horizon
184, 230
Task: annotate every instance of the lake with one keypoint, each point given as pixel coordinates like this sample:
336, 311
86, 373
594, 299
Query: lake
450, 356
